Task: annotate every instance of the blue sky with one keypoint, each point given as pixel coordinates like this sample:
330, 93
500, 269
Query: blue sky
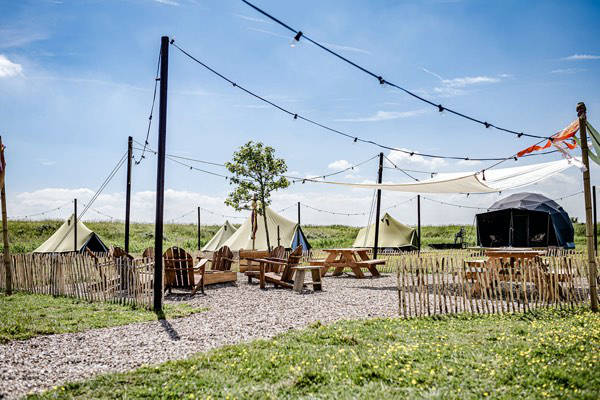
76, 78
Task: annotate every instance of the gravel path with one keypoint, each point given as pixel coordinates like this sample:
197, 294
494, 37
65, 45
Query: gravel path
237, 313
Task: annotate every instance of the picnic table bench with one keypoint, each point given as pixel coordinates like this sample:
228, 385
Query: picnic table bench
354, 258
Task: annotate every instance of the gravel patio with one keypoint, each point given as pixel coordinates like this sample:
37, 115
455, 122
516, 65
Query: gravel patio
237, 313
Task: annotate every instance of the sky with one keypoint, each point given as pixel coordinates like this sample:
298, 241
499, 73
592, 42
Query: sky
77, 78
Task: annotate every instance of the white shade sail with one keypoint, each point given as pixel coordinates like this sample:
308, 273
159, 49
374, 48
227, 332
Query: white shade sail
494, 180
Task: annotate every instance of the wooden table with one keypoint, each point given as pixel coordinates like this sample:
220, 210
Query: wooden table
315, 271
353, 258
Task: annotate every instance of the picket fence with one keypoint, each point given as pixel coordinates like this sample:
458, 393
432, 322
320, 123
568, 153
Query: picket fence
433, 283
94, 279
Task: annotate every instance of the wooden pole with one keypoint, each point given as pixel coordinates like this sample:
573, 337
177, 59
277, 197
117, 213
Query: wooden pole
591, 254
128, 191
7, 261
595, 221
254, 222
199, 229
75, 225
419, 222
160, 175
278, 237
378, 210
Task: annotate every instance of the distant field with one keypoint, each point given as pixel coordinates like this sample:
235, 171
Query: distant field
25, 236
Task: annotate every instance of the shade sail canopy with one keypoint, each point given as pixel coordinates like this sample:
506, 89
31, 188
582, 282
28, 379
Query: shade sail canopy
289, 233
392, 234
525, 220
63, 239
494, 180
217, 241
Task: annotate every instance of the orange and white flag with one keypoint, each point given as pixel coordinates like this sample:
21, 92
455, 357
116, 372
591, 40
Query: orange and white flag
561, 136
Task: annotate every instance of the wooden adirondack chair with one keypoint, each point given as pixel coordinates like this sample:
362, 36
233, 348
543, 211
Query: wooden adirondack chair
220, 267
285, 279
180, 272
277, 254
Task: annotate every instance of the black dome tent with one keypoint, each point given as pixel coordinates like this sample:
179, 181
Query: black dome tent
525, 220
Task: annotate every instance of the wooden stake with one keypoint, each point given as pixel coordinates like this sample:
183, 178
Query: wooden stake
581, 113
7, 263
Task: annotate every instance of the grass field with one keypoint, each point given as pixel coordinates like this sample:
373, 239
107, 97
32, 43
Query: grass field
23, 316
25, 236
546, 354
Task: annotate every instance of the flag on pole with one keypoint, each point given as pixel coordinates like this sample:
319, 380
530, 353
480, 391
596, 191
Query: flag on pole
567, 133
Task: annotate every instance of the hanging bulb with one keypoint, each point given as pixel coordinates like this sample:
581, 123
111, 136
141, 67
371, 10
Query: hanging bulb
296, 39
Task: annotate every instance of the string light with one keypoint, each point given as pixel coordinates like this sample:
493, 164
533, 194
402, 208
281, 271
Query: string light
383, 81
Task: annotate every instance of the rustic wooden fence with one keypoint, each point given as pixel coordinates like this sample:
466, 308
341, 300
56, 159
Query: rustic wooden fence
104, 278
430, 283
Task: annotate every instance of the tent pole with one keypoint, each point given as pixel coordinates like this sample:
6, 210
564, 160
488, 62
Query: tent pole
511, 230
254, 222
298, 213
7, 260
378, 212
278, 237
75, 225
419, 222
199, 231
128, 192
595, 220
160, 176
581, 113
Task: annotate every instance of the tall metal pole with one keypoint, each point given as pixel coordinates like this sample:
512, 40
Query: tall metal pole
7, 260
128, 192
298, 213
378, 211
595, 221
419, 222
199, 232
581, 113
75, 225
160, 175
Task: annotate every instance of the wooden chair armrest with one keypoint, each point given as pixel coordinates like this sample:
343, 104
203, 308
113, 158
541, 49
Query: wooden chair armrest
202, 262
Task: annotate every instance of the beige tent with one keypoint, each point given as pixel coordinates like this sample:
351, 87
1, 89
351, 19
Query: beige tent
62, 240
290, 234
392, 234
216, 242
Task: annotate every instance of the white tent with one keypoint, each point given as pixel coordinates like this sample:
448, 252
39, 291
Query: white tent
217, 241
290, 234
494, 180
392, 234
63, 239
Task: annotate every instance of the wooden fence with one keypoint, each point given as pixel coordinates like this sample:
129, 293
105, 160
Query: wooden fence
430, 283
117, 280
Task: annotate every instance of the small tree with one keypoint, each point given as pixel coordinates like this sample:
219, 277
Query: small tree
255, 171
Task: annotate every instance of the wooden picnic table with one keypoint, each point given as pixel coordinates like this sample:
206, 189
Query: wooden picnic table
354, 258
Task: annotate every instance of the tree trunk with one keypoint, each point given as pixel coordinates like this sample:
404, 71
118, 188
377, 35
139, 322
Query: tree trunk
264, 212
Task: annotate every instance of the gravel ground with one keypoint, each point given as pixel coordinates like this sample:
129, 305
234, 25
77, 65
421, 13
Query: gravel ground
236, 313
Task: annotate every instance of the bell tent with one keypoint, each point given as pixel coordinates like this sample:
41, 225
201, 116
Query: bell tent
217, 241
62, 240
290, 234
392, 234
525, 220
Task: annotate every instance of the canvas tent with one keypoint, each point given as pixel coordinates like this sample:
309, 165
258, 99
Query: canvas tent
392, 234
62, 240
290, 233
525, 220
217, 241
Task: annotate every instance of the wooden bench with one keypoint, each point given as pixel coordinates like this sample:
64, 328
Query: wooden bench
247, 257
300, 272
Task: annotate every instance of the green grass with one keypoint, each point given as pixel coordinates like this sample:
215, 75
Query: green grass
23, 316
536, 355
26, 236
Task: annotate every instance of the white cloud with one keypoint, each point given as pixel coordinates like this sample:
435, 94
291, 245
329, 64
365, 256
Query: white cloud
398, 157
252, 19
9, 68
168, 2
384, 116
567, 70
469, 80
578, 57
270, 33
455, 87
468, 162
346, 48
339, 165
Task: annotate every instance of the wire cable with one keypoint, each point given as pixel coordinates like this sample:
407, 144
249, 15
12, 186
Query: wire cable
299, 34
156, 80
354, 138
